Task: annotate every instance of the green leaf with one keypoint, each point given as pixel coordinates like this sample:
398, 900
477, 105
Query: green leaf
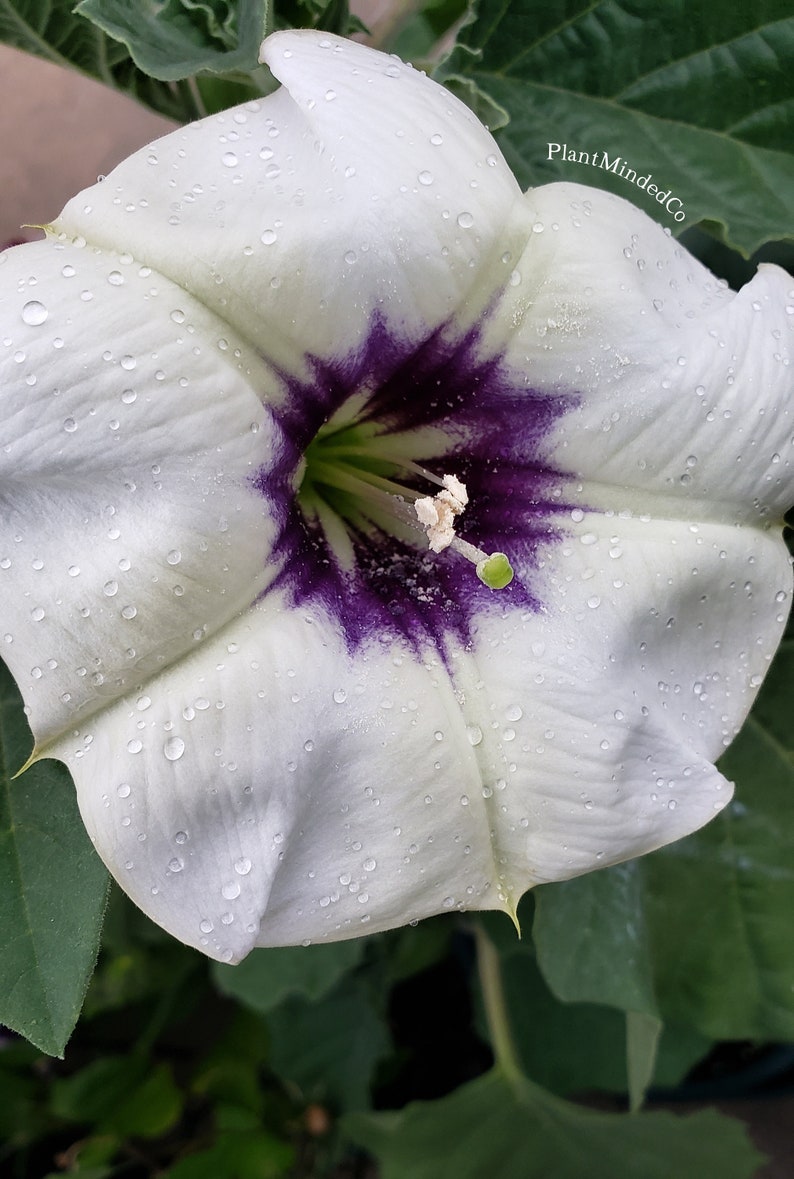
516, 1130
329, 1049
54, 32
247, 1154
643, 1033
120, 1095
231, 1072
593, 940
694, 94
700, 932
180, 38
267, 977
52, 890
574, 1047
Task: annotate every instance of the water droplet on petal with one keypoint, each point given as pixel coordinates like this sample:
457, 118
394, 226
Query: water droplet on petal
474, 734
34, 313
174, 748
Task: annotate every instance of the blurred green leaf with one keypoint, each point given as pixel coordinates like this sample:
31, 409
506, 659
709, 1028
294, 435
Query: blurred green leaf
329, 1049
120, 1095
516, 1130
404, 952
149, 1109
643, 1033
699, 933
247, 1154
267, 977
52, 889
694, 93
22, 1113
421, 26
230, 1072
180, 38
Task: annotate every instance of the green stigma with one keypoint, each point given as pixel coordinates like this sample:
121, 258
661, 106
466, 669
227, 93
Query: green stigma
495, 571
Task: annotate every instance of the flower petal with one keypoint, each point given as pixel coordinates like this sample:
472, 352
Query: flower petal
287, 791
296, 216
653, 642
681, 386
130, 528
277, 780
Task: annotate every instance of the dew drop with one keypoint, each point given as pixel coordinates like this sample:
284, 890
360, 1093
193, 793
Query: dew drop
34, 313
174, 748
474, 734
230, 891
242, 866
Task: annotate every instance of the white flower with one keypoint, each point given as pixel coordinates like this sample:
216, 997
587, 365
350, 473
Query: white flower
226, 375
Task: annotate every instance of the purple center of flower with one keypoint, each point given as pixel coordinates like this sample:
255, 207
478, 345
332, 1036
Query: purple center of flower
445, 406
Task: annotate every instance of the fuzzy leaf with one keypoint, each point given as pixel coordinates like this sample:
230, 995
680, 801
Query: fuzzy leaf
695, 95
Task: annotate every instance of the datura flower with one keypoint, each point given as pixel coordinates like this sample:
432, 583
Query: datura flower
377, 539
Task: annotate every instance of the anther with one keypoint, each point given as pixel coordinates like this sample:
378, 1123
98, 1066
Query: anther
437, 516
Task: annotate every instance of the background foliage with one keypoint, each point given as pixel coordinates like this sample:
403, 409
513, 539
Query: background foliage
452, 1048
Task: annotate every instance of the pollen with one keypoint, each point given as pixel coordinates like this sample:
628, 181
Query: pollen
437, 513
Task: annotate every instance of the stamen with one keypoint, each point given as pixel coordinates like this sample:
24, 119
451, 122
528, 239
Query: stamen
437, 516
378, 497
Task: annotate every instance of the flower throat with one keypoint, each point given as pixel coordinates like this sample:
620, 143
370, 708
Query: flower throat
350, 479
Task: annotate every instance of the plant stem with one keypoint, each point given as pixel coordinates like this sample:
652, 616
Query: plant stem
490, 973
